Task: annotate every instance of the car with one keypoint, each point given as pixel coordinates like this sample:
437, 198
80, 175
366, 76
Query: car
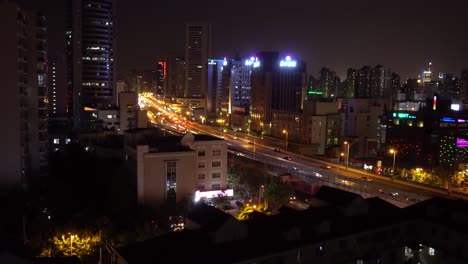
366, 178
251, 143
393, 194
287, 158
277, 150
324, 166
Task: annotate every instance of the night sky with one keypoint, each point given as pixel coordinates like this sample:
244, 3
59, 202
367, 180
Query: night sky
402, 35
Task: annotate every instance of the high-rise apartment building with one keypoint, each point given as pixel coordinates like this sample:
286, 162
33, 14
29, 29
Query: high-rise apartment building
91, 55
380, 82
351, 83
24, 110
57, 83
329, 83
197, 52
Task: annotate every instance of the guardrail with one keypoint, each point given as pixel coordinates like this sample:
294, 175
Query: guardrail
335, 180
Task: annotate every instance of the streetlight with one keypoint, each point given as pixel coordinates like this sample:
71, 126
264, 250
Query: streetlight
341, 155
393, 151
286, 132
347, 153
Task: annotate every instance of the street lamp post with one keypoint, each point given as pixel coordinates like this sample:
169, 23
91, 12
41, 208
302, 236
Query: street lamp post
393, 151
347, 153
286, 132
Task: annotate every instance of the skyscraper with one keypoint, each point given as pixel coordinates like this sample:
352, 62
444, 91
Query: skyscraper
91, 54
24, 136
197, 52
214, 89
241, 72
277, 84
174, 83
57, 83
380, 83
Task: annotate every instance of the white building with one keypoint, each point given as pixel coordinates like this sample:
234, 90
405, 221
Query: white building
175, 167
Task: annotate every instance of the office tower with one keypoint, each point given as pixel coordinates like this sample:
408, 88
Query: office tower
174, 83
328, 83
214, 86
351, 82
57, 83
197, 52
24, 137
277, 85
427, 74
241, 72
91, 54
160, 76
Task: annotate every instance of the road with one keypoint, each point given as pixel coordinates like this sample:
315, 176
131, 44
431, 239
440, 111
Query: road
312, 171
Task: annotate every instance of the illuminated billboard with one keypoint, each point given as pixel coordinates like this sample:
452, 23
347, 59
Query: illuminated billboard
288, 62
462, 143
455, 107
403, 115
253, 61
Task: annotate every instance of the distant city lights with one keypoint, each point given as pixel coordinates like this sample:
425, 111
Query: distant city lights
288, 62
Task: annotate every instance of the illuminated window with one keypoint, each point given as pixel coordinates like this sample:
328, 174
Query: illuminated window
56, 141
109, 116
171, 175
420, 124
431, 252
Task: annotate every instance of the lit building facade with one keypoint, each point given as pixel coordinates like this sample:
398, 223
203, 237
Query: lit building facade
91, 55
215, 86
276, 84
24, 138
174, 168
362, 125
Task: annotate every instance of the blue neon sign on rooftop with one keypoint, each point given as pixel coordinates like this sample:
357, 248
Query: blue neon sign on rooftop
253, 61
288, 62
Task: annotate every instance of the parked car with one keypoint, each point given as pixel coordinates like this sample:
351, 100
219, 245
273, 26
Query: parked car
287, 158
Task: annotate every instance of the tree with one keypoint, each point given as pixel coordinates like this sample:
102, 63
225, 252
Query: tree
445, 174
244, 178
277, 194
71, 245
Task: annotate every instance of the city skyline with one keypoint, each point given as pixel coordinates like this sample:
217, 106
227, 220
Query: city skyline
334, 35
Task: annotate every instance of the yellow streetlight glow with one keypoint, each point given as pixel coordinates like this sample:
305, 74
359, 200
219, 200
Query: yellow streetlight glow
393, 151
